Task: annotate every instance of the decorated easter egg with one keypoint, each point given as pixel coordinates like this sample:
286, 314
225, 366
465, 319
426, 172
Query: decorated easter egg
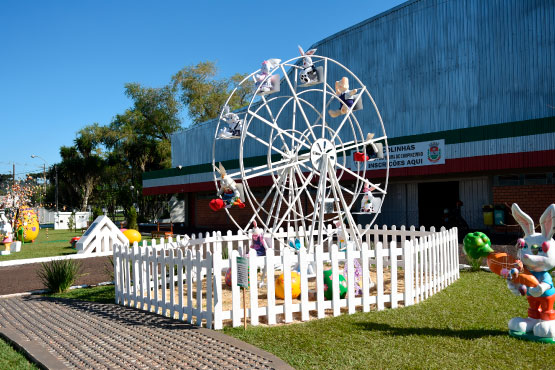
295, 285
328, 286
132, 235
27, 225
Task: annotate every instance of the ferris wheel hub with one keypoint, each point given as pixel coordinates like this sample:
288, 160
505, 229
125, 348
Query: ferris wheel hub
320, 149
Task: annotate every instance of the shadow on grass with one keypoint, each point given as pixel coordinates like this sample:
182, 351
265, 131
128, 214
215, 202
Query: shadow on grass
435, 332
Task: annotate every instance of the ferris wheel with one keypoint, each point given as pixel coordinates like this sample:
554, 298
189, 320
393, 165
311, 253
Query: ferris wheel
311, 145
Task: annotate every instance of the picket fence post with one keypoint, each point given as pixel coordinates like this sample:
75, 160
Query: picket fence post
379, 276
393, 271
217, 272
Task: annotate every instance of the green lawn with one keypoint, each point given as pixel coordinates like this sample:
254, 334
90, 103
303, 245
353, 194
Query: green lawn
464, 326
56, 244
12, 359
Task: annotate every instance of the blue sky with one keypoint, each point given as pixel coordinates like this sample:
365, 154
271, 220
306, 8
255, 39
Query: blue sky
63, 64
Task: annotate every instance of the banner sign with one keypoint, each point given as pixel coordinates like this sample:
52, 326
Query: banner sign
425, 153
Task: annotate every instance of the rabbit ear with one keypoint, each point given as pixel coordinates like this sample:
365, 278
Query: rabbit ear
221, 170
273, 63
547, 222
225, 110
310, 52
523, 220
301, 50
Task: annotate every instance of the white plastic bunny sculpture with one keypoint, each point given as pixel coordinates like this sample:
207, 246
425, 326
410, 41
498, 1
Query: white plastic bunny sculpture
537, 253
229, 192
342, 237
369, 203
5, 229
264, 82
234, 122
309, 74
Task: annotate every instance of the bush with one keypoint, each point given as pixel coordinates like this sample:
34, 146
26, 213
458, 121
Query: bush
132, 219
97, 211
58, 275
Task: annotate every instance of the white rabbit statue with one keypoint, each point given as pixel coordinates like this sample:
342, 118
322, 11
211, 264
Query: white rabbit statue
265, 83
229, 192
537, 253
308, 74
234, 122
342, 237
369, 203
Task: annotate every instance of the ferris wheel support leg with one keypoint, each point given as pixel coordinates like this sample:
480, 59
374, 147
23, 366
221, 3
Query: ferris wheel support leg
353, 229
318, 207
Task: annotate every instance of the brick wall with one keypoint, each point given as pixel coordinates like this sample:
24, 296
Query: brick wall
206, 218
532, 199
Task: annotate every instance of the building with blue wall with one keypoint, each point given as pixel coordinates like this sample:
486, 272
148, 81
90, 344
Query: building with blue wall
475, 76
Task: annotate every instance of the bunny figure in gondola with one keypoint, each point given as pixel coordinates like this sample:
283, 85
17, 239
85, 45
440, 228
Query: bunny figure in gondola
257, 238
230, 193
369, 203
265, 82
347, 97
309, 74
537, 253
235, 125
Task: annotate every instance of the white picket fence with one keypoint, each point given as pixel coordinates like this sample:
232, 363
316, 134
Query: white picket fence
185, 279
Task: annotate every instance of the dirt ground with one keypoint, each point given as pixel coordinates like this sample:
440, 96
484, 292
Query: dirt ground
23, 278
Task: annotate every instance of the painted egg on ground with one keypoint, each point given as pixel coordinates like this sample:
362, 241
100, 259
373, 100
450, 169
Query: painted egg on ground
295, 285
132, 235
328, 287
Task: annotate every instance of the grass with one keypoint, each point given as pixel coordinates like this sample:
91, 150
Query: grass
12, 359
464, 326
57, 244
100, 294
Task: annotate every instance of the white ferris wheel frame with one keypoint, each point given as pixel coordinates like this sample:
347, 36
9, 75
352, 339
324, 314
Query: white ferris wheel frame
288, 169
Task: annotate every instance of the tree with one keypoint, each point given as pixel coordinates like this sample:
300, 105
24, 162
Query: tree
204, 96
82, 166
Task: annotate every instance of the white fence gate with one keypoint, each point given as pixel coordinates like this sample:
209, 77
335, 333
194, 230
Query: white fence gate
185, 279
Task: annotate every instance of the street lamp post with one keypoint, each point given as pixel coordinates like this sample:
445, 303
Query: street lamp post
43, 171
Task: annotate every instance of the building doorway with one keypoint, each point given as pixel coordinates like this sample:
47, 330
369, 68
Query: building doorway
433, 198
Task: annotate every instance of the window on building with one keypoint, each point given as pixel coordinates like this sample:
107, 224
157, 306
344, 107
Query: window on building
506, 180
535, 178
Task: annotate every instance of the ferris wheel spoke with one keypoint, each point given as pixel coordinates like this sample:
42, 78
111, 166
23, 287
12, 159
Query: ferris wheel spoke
251, 135
273, 119
324, 97
283, 181
353, 228
307, 180
277, 128
347, 190
360, 178
236, 175
353, 144
300, 174
308, 125
359, 96
299, 205
260, 205
274, 169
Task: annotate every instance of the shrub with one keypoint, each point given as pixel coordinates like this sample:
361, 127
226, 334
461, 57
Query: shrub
97, 212
132, 219
58, 275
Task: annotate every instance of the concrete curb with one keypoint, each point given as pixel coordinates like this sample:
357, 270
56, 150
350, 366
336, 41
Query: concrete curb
33, 351
45, 291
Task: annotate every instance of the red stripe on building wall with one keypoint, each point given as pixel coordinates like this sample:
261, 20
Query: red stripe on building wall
545, 158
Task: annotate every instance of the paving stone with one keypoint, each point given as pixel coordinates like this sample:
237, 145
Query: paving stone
88, 335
